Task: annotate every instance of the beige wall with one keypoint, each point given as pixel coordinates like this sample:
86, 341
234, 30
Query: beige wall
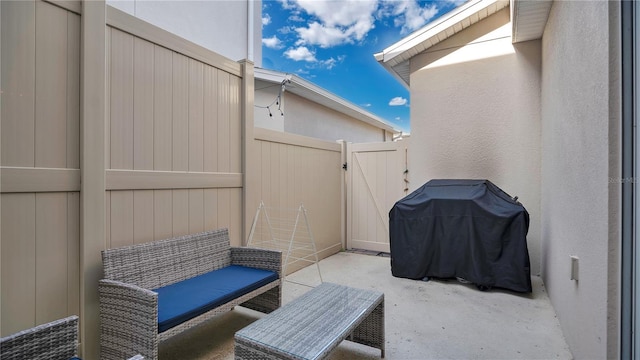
307, 118
169, 114
579, 156
40, 201
159, 149
293, 170
475, 114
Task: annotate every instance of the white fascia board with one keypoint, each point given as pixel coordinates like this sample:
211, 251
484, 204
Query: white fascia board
312, 92
405, 82
404, 46
435, 32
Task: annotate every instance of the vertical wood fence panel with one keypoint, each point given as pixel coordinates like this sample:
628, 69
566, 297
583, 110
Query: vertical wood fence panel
40, 122
164, 121
183, 118
18, 83
298, 170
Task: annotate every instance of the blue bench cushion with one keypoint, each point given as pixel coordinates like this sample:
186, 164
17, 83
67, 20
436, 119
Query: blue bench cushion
189, 298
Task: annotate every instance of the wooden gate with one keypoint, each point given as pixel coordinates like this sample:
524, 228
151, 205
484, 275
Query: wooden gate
376, 179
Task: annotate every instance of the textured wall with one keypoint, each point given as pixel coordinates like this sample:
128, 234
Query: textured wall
575, 170
307, 118
304, 117
475, 113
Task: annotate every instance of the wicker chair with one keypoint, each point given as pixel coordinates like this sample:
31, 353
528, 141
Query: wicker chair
51, 341
55, 340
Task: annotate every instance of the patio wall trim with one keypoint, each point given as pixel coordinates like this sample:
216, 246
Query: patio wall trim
71, 5
120, 20
297, 140
22, 179
153, 180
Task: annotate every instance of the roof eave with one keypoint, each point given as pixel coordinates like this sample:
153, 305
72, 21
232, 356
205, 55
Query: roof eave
405, 82
312, 92
399, 54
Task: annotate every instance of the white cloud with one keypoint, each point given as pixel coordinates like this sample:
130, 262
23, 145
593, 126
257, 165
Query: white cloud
266, 20
338, 22
286, 30
273, 42
332, 62
397, 101
296, 18
301, 53
409, 15
366, 105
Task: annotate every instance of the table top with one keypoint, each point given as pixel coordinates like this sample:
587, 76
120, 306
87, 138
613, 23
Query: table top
313, 323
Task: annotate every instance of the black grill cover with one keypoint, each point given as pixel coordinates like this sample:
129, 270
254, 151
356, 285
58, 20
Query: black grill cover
468, 229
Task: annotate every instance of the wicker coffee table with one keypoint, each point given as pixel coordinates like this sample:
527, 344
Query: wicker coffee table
312, 326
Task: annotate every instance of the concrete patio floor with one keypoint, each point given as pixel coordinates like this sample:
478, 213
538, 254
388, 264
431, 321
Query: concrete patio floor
423, 320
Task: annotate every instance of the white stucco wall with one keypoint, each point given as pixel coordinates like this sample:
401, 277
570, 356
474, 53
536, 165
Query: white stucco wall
218, 25
265, 94
577, 149
475, 114
305, 117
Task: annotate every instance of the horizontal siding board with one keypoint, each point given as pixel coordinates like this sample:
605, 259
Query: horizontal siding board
17, 179
140, 180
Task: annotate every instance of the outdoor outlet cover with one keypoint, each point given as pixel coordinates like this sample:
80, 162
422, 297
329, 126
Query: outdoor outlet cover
574, 267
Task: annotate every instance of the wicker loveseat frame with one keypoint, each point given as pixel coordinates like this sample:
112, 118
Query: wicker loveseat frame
55, 340
129, 308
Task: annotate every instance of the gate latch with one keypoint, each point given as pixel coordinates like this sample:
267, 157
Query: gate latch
344, 166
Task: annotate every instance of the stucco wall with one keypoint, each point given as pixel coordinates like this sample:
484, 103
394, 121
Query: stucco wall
220, 26
576, 165
475, 113
307, 118
304, 117
265, 94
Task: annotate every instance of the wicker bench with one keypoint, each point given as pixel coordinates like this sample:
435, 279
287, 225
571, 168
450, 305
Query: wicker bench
155, 290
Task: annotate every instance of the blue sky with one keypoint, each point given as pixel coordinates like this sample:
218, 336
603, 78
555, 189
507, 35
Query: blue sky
331, 43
